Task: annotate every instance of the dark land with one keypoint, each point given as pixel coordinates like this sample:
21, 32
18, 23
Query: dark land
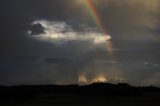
98, 94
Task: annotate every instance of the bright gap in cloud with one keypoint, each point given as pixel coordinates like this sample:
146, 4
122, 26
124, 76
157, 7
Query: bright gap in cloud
61, 32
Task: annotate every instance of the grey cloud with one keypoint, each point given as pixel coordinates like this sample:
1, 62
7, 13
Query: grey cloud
132, 20
133, 25
36, 29
60, 61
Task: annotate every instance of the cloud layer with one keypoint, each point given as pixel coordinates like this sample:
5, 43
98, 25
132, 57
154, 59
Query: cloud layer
58, 42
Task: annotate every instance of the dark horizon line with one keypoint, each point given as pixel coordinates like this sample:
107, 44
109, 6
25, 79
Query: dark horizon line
81, 85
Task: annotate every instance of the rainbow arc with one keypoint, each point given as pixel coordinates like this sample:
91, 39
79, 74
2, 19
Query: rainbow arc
97, 18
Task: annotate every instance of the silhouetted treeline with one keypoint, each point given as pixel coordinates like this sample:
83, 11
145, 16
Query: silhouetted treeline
97, 89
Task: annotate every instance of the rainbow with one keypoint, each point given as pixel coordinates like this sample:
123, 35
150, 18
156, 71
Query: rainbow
96, 17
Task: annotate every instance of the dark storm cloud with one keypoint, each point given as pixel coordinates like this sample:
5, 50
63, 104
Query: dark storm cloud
37, 29
58, 61
133, 25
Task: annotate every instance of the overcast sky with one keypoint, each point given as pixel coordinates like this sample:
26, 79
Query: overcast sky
58, 42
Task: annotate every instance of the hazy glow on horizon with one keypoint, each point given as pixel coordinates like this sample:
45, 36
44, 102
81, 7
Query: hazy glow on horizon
99, 78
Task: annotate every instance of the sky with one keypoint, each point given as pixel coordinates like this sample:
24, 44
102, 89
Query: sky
79, 42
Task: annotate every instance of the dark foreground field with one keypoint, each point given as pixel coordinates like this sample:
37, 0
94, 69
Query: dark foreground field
74, 95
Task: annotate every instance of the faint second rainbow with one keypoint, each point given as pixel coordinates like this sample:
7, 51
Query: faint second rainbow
93, 12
